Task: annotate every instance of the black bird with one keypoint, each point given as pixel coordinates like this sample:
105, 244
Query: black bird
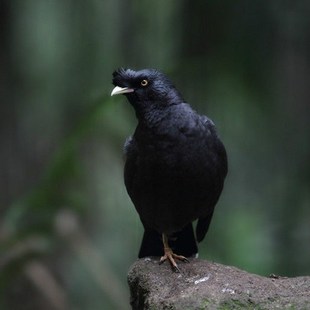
175, 165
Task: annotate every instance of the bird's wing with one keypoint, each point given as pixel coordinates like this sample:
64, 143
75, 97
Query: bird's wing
207, 121
203, 226
220, 169
131, 156
129, 145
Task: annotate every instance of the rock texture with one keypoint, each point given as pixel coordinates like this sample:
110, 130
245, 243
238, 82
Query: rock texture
205, 285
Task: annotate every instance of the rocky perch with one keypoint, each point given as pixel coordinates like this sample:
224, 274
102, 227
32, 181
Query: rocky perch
206, 285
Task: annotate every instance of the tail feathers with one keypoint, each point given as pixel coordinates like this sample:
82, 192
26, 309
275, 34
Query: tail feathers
203, 226
182, 243
151, 245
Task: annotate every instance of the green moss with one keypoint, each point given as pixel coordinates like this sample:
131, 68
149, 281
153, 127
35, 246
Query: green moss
236, 304
205, 303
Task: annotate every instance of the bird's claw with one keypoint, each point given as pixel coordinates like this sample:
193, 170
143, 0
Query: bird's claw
176, 269
170, 256
185, 260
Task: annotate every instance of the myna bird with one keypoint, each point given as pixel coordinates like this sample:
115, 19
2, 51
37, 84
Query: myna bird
175, 165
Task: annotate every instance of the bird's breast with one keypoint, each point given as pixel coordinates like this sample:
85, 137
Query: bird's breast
172, 176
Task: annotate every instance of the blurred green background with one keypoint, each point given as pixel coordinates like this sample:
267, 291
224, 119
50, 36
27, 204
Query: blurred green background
68, 231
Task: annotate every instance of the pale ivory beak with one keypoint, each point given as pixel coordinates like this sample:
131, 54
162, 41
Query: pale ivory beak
121, 90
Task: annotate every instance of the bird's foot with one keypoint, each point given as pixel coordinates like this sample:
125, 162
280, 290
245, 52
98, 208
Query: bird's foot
170, 256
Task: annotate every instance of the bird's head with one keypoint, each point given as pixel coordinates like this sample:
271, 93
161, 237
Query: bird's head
147, 88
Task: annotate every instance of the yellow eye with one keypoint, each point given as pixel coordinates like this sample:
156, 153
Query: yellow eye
144, 82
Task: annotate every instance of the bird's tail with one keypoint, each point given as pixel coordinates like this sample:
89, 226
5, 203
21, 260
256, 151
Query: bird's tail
182, 243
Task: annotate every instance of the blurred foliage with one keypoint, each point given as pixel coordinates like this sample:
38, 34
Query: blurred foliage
68, 231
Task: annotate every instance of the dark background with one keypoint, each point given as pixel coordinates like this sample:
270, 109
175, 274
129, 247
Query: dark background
68, 231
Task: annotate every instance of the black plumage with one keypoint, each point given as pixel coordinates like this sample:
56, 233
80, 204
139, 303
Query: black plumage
175, 164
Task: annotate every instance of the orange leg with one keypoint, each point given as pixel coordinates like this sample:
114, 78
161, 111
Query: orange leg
169, 255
